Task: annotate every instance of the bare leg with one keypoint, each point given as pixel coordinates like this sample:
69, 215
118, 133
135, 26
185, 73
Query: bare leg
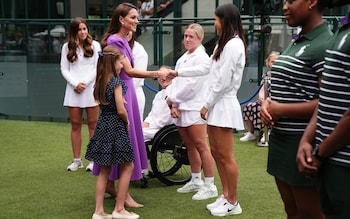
250, 126
76, 118
297, 201
100, 189
110, 189
129, 201
123, 186
303, 197
193, 154
221, 142
199, 153
92, 117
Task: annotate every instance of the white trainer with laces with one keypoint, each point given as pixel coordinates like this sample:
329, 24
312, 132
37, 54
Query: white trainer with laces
219, 201
191, 187
248, 137
90, 166
226, 209
207, 191
75, 165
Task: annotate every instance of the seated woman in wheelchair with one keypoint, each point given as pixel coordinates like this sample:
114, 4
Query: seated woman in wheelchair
159, 116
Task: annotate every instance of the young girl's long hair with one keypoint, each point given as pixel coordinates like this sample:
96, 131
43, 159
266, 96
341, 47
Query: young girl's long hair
231, 24
105, 70
73, 40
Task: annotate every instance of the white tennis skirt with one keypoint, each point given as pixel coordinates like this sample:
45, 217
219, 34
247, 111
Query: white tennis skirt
226, 113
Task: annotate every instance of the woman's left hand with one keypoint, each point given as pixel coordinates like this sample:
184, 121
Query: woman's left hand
265, 115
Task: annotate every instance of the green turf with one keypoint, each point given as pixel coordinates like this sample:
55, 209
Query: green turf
35, 184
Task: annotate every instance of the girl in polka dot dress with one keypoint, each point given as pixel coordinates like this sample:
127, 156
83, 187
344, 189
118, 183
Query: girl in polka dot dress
110, 143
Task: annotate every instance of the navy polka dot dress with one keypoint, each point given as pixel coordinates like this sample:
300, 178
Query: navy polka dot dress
110, 143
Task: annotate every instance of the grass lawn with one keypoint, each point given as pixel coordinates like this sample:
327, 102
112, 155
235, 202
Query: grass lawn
35, 184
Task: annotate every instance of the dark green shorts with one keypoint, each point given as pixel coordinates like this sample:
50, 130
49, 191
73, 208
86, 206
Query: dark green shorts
334, 188
281, 161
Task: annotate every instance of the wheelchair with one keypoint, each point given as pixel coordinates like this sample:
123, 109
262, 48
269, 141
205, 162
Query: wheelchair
168, 158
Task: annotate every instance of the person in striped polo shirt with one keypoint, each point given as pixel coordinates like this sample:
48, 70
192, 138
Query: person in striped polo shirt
329, 128
294, 96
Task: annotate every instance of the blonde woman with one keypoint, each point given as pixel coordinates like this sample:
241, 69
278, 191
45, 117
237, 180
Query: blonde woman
186, 97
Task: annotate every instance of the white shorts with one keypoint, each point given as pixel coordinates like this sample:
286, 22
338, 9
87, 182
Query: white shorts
188, 118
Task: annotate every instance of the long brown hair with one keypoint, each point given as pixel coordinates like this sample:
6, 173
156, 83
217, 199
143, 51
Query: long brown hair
105, 69
115, 25
231, 24
73, 40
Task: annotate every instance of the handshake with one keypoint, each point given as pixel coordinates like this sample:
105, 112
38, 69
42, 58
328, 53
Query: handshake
166, 73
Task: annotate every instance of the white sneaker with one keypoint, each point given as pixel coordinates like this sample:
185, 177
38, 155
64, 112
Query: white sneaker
75, 165
145, 172
263, 140
190, 187
219, 201
248, 137
226, 209
263, 144
207, 191
90, 166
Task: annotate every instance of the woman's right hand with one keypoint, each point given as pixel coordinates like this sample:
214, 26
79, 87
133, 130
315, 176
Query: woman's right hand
175, 112
203, 113
307, 164
165, 73
168, 72
80, 87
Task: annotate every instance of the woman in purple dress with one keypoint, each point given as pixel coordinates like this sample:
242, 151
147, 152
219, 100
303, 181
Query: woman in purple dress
124, 20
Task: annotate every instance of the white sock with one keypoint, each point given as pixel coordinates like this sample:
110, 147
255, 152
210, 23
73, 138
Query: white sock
209, 180
196, 177
77, 159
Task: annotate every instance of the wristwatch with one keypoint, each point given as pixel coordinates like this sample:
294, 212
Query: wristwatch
317, 156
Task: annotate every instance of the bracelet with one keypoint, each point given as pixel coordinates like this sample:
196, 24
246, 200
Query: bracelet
317, 156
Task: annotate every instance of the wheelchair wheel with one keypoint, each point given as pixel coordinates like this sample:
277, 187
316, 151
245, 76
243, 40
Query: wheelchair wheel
168, 158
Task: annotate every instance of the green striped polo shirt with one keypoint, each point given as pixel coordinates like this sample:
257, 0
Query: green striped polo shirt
335, 90
295, 74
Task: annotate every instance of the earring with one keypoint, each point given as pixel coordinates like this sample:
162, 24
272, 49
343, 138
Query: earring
310, 8
122, 23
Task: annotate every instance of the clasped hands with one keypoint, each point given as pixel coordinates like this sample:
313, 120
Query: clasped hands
80, 87
166, 73
308, 165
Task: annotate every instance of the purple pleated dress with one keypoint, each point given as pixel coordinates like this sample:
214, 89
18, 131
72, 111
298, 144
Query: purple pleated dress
131, 105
